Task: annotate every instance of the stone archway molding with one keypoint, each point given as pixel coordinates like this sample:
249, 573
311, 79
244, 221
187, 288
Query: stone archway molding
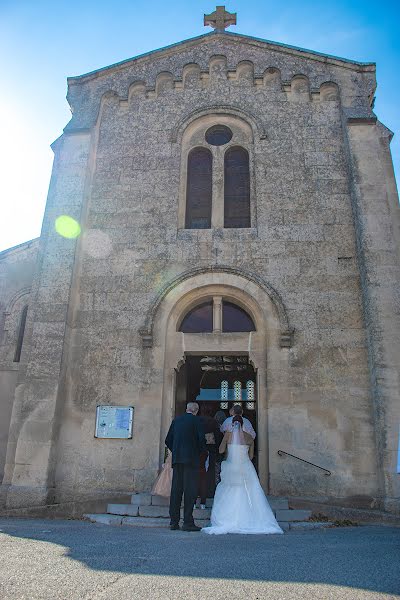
286, 333
218, 109
23, 292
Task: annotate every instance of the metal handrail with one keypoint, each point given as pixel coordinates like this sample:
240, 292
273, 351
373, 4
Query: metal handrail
326, 471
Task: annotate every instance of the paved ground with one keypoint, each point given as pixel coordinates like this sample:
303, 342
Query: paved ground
73, 560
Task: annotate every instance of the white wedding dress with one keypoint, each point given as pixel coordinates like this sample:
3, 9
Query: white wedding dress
240, 505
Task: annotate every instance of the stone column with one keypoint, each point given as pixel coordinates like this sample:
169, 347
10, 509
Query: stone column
39, 395
376, 218
217, 314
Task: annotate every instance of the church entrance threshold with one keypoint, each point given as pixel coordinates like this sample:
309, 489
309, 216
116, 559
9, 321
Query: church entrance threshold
216, 383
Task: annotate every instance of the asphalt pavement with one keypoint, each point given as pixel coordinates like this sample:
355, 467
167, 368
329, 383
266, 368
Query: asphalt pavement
71, 560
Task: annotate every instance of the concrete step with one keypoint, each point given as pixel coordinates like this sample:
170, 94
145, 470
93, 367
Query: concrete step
290, 515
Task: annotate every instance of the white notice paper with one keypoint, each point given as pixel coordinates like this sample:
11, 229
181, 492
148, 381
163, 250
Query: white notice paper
114, 422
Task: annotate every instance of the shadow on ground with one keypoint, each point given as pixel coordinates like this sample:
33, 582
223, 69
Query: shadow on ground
365, 558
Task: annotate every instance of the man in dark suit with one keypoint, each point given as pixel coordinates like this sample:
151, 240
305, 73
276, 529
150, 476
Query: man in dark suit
186, 440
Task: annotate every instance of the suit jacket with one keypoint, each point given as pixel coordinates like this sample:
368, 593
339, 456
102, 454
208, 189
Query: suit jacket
186, 440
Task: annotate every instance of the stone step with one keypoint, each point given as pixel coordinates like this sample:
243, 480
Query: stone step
146, 499
155, 512
142, 499
290, 515
131, 510
278, 502
310, 525
162, 501
106, 519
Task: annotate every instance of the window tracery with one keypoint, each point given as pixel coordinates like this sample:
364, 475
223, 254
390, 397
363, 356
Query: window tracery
216, 174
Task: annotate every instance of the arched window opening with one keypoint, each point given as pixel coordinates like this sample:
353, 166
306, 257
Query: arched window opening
199, 189
21, 332
250, 390
235, 319
199, 319
236, 188
237, 391
224, 390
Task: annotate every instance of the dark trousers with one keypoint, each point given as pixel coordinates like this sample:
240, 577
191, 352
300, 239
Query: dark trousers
203, 478
184, 482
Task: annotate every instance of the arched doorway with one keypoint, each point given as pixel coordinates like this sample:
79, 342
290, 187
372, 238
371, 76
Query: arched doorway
261, 348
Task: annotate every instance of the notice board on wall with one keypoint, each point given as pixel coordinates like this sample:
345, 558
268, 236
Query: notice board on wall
114, 422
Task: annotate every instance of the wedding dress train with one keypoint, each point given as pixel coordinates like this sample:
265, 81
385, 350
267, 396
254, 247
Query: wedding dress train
240, 505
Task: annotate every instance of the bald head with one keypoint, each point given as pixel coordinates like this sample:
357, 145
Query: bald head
192, 408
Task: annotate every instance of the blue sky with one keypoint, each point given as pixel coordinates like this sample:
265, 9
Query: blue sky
43, 42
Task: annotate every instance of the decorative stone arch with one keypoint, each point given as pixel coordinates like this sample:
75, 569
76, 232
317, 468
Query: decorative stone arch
12, 320
286, 331
17, 296
257, 126
168, 347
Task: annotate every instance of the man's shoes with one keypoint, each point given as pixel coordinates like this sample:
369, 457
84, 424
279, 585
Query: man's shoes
174, 526
190, 527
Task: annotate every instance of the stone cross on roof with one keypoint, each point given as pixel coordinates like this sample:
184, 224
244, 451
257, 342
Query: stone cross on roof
220, 19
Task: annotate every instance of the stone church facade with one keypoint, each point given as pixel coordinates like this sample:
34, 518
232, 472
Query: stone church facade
293, 220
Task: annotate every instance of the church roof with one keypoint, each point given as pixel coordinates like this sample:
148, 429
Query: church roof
237, 37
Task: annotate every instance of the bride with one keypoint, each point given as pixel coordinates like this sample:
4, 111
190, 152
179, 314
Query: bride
240, 505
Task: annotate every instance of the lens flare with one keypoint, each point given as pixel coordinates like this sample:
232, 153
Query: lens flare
67, 227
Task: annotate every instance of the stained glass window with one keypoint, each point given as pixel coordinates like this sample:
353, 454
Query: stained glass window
250, 405
237, 390
199, 189
224, 390
235, 318
199, 319
250, 390
237, 188
223, 405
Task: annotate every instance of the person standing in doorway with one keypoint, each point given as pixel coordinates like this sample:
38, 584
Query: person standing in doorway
186, 440
208, 458
237, 410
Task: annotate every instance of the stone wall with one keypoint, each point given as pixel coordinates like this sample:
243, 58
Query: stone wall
17, 266
119, 171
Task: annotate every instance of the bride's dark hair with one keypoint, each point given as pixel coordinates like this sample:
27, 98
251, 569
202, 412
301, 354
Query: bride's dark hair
237, 419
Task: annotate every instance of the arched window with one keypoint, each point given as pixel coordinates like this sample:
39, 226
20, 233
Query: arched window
199, 189
21, 331
199, 319
235, 319
224, 390
237, 390
237, 188
250, 390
